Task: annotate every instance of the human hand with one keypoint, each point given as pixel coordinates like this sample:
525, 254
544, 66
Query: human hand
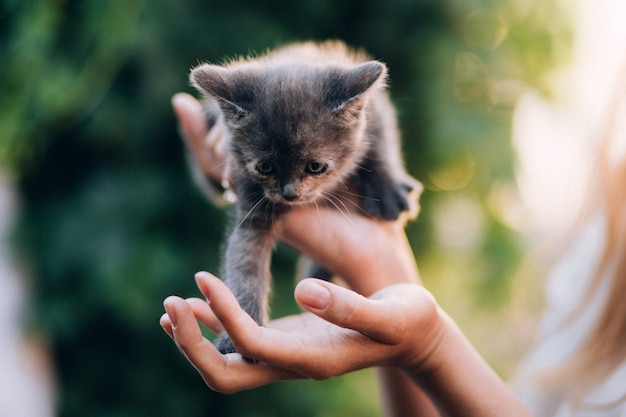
400, 327
206, 145
368, 254
341, 332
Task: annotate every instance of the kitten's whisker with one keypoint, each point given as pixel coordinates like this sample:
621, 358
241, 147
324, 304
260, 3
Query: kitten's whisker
249, 213
354, 203
273, 217
363, 168
345, 213
350, 193
265, 213
317, 208
340, 201
315, 203
346, 191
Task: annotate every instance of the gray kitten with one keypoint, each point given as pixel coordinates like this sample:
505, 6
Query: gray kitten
307, 124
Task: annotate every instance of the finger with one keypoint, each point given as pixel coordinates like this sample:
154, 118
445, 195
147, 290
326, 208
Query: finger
261, 343
222, 373
166, 324
202, 310
184, 326
344, 238
380, 319
369, 254
207, 146
190, 116
223, 304
349, 230
186, 333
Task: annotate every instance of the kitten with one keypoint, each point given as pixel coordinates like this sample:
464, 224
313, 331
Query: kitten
306, 124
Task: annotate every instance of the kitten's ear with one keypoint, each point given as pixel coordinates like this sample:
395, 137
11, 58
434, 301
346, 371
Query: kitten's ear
347, 88
221, 84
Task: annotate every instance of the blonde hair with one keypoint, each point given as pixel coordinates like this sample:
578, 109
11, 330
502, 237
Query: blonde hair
605, 346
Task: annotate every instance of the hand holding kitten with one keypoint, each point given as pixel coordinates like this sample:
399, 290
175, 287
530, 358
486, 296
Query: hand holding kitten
399, 326
342, 331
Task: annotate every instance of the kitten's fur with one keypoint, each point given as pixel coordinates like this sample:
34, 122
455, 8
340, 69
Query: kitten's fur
305, 124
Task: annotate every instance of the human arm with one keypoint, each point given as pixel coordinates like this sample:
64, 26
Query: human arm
399, 328
437, 356
400, 325
208, 153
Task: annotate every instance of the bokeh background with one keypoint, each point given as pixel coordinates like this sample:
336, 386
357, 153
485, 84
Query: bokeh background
107, 221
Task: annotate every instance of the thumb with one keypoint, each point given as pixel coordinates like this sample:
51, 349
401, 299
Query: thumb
190, 116
348, 309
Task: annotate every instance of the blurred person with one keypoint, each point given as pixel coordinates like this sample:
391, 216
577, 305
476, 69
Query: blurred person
385, 318
27, 380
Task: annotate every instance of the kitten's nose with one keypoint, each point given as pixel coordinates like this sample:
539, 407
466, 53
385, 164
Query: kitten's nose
290, 192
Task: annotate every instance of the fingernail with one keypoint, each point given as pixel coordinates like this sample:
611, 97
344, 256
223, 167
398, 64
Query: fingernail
171, 311
177, 98
201, 281
313, 295
202, 275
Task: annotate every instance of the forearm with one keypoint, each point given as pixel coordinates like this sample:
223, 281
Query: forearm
461, 383
400, 395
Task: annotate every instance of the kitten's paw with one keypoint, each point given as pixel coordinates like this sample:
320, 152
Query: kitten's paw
225, 346
310, 269
388, 200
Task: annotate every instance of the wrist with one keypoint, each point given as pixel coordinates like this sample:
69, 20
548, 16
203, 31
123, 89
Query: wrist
459, 381
429, 354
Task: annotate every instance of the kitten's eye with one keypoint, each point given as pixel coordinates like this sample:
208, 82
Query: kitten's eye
316, 168
265, 168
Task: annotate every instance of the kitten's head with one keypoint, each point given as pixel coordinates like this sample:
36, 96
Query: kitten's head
296, 130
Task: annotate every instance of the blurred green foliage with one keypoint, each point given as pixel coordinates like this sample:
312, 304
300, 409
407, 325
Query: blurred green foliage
110, 222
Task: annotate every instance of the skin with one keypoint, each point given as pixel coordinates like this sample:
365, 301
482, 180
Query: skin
382, 317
